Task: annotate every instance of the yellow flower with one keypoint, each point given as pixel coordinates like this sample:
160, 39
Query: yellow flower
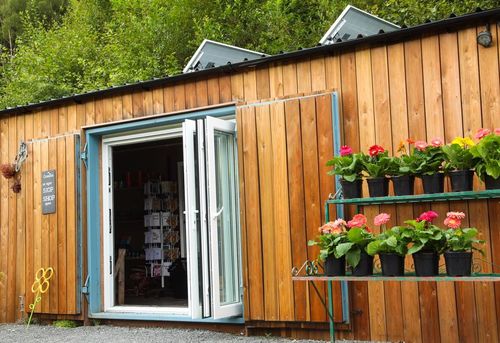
401, 147
464, 142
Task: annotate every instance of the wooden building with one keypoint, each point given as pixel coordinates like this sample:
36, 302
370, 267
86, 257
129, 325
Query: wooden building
259, 131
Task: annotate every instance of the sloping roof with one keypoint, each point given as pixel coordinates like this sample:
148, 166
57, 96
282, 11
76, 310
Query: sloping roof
352, 22
211, 54
478, 17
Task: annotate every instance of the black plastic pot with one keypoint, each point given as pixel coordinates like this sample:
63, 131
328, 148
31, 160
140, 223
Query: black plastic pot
426, 263
365, 265
392, 264
403, 184
378, 186
335, 266
458, 263
461, 180
433, 183
491, 183
353, 189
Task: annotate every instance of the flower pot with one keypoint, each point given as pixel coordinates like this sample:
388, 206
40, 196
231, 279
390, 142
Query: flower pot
426, 263
433, 183
491, 183
403, 184
461, 180
458, 263
335, 266
365, 265
378, 186
353, 189
392, 264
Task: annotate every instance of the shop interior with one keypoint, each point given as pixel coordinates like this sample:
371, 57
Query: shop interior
149, 232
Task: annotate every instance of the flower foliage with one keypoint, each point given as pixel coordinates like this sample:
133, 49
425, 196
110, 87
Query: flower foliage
331, 235
377, 163
460, 239
424, 235
428, 158
358, 237
487, 155
348, 166
458, 155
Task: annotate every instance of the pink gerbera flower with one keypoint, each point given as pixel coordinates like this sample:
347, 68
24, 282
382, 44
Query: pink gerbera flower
497, 131
456, 215
452, 223
345, 150
358, 220
428, 216
420, 145
437, 142
381, 219
481, 133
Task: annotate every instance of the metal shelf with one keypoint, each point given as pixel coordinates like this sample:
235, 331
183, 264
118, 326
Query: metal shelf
403, 199
411, 278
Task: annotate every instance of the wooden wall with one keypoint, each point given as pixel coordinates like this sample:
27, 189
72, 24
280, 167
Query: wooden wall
436, 85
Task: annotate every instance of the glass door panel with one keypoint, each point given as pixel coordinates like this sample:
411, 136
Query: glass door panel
223, 217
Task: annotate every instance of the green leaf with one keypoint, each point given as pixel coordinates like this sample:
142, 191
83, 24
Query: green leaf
353, 257
373, 248
415, 248
342, 249
391, 241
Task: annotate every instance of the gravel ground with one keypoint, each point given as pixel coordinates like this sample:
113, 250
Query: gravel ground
112, 334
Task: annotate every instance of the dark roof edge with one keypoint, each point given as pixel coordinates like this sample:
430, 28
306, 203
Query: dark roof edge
389, 37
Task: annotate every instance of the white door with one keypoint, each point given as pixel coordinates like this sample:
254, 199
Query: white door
223, 219
191, 212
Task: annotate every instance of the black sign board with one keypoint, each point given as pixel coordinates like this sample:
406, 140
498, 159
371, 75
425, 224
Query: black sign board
49, 191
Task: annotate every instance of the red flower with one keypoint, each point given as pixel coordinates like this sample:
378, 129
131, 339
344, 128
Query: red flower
410, 141
497, 131
358, 220
481, 133
420, 145
437, 142
428, 216
375, 150
345, 150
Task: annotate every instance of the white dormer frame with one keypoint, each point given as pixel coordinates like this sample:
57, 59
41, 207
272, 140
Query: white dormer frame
199, 53
340, 22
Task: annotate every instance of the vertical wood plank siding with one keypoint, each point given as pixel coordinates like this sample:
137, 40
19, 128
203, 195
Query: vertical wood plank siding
439, 85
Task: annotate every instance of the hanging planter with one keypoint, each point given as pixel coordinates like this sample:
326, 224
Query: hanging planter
403, 184
433, 183
335, 266
353, 189
458, 263
378, 186
8, 170
13, 170
426, 263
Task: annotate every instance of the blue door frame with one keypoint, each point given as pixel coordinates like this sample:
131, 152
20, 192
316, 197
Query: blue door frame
94, 137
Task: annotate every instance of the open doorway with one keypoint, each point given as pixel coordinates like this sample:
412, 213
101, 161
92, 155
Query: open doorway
170, 221
149, 235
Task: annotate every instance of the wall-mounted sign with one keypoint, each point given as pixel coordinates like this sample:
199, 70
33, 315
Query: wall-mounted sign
48, 191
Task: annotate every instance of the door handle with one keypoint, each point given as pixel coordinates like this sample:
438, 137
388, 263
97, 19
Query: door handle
218, 213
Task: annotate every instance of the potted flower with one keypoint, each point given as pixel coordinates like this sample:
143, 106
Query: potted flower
459, 163
427, 243
487, 154
459, 245
354, 249
377, 165
349, 167
403, 170
392, 247
332, 234
429, 159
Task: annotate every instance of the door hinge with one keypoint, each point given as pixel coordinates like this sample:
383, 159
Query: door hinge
110, 265
109, 179
84, 154
110, 222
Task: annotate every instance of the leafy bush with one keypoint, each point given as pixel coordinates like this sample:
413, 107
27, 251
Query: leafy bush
487, 153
